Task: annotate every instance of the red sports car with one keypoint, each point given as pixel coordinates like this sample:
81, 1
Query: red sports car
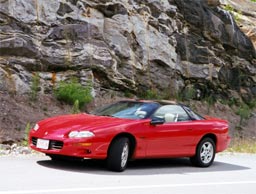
132, 129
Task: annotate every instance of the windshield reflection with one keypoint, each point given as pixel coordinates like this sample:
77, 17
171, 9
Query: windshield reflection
128, 110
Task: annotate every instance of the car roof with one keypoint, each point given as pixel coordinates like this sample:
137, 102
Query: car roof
167, 102
161, 102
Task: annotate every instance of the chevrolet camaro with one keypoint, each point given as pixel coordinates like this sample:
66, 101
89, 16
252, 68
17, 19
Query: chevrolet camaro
132, 129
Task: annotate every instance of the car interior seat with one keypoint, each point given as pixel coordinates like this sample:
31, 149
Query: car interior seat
169, 117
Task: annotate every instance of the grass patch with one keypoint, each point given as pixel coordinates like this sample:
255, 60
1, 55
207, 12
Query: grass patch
75, 108
154, 94
151, 94
27, 129
242, 146
236, 15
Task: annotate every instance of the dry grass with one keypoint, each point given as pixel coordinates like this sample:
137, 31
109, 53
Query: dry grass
242, 146
1, 134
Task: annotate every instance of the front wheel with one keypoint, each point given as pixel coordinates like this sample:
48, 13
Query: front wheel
205, 153
118, 154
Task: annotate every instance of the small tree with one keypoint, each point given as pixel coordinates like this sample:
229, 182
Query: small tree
27, 128
35, 86
75, 108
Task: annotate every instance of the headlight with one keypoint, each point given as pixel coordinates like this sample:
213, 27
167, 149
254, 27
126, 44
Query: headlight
36, 127
80, 134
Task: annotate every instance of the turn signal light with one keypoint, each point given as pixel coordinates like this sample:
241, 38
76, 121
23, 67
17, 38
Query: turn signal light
83, 144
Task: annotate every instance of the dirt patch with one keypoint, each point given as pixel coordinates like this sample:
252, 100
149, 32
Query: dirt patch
17, 111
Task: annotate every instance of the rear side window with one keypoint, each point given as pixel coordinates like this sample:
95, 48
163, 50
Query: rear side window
193, 115
172, 113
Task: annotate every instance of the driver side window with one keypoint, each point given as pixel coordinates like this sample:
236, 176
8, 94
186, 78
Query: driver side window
172, 113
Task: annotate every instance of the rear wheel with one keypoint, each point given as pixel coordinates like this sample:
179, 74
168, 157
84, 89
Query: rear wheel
118, 154
205, 153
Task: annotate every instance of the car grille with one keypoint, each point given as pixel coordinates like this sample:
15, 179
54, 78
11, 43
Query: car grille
34, 141
54, 145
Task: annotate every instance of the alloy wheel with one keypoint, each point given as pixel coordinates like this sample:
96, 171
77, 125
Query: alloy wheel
125, 154
206, 152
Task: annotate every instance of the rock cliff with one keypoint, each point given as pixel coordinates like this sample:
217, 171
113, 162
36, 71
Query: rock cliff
127, 45
133, 47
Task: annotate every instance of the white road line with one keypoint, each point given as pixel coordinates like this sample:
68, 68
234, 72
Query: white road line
63, 190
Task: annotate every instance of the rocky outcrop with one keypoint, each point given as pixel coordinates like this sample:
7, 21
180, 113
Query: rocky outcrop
245, 13
127, 45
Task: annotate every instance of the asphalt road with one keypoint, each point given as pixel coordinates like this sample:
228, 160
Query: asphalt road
231, 173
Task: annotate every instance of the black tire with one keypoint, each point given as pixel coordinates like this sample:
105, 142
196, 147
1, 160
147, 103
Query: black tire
205, 153
118, 154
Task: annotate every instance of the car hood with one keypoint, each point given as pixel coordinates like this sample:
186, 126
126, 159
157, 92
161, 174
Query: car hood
66, 123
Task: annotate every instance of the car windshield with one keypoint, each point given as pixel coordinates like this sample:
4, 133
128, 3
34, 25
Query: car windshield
128, 109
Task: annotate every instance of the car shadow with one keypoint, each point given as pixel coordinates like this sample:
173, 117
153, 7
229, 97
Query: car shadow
140, 167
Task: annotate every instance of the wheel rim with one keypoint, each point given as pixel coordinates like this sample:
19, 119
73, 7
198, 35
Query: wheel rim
125, 154
206, 153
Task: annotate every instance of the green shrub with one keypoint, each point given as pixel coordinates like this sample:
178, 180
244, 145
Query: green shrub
35, 86
252, 104
128, 94
25, 141
210, 100
233, 101
188, 94
72, 91
236, 15
229, 8
244, 112
151, 94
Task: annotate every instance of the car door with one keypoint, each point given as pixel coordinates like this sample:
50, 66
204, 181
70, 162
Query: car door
173, 137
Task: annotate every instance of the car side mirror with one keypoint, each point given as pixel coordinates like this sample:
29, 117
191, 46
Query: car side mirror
157, 121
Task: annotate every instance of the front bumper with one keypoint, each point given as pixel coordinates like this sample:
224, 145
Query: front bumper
73, 147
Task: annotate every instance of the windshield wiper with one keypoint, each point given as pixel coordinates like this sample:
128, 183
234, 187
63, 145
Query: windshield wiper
106, 115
